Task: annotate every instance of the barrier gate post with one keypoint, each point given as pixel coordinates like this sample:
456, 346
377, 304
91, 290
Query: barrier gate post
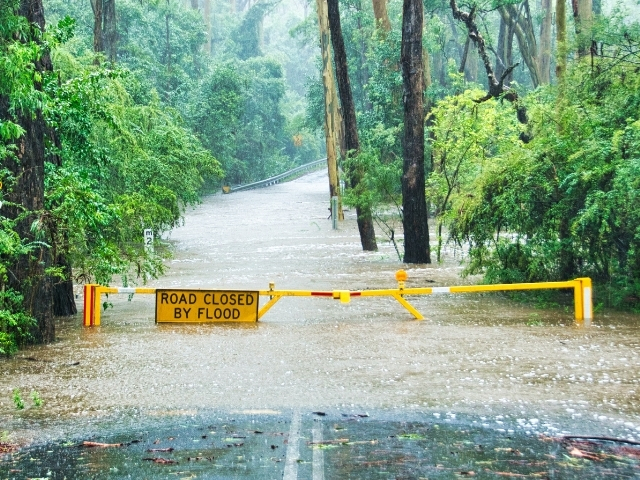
88, 315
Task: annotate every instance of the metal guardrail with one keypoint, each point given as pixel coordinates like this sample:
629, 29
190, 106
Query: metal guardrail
277, 178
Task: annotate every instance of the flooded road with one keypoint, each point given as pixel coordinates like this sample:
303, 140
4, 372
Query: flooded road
509, 366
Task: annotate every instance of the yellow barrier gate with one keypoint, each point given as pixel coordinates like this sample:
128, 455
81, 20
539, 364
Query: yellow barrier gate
219, 310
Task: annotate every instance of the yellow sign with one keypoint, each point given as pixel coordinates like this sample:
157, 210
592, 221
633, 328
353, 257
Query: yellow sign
206, 306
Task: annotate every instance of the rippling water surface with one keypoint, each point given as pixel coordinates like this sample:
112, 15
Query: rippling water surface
481, 355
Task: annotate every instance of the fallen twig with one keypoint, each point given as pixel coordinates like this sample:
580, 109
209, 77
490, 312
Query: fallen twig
101, 445
602, 439
163, 461
330, 442
576, 452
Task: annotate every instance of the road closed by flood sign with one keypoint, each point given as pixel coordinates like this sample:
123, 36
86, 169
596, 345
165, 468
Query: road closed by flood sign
206, 306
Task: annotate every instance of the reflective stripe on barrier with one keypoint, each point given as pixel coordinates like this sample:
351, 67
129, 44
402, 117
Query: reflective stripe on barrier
582, 288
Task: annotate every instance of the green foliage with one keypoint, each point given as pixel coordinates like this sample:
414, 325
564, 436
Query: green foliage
18, 54
125, 166
567, 204
37, 400
18, 96
378, 190
248, 34
238, 115
465, 138
17, 399
160, 41
15, 324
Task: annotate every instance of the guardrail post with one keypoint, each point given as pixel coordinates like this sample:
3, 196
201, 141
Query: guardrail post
88, 315
334, 212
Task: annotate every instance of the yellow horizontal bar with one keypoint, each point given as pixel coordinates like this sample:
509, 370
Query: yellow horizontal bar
294, 293
117, 290
395, 291
512, 286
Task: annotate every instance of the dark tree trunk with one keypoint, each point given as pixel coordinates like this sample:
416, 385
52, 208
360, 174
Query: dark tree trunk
508, 54
110, 34
414, 205
98, 45
352, 142
27, 275
504, 54
64, 303
500, 61
463, 58
105, 35
168, 39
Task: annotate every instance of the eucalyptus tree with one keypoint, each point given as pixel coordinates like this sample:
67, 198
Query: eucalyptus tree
27, 284
332, 114
352, 142
416, 228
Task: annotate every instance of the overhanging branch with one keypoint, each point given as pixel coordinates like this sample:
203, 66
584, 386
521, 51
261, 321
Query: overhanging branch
497, 88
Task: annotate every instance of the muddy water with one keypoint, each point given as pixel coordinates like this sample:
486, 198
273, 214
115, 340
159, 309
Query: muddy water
483, 355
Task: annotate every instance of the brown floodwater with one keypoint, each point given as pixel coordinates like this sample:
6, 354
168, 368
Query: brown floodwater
480, 354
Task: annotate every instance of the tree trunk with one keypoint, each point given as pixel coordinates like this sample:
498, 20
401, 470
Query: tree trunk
544, 54
381, 15
64, 303
583, 19
508, 54
98, 45
362, 67
500, 58
28, 274
465, 54
207, 22
426, 75
472, 66
561, 34
167, 39
332, 117
523, 28
504, 54
110, 34
105, 34
414, 205
352, 142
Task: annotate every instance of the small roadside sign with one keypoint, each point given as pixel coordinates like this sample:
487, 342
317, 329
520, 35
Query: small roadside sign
206, 306
148, 239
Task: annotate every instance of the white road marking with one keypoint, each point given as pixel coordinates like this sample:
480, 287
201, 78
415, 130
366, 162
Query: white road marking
318, 453
293, 449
